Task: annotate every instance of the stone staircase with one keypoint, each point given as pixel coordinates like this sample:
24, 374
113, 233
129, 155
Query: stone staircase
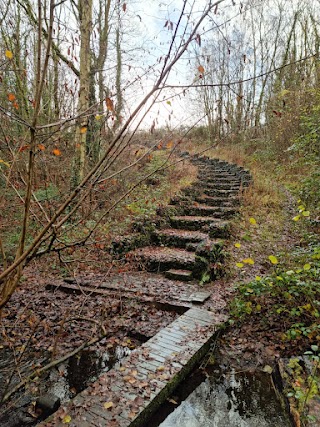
188, 242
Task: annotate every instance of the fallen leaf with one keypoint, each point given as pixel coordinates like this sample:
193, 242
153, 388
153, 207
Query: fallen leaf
268, 369
108, 405
248, 261
56, 152
66, 419
273, 259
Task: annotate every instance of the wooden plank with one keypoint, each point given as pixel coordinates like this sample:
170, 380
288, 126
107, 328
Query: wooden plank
174, 341
175, 347
193, 323
184, 323
145, 379
150, 378
200, 322
199, 312
172, 337
176, 329
195, 315
158, 357
169, 346
199, 296
148, 366
170, 354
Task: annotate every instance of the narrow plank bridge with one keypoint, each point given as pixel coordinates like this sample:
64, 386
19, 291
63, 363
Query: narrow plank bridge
127, 395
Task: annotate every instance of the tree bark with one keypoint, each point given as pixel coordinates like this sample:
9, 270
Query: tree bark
85, 15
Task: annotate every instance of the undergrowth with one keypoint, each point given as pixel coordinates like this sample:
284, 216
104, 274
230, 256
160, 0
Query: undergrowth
291, 295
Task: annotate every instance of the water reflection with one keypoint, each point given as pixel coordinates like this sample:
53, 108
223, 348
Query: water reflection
230, 399
74, 375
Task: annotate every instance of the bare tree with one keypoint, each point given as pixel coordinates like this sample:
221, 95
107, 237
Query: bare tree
46, 237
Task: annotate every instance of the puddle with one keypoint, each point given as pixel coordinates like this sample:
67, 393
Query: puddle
227, 398
79, 371
63, 382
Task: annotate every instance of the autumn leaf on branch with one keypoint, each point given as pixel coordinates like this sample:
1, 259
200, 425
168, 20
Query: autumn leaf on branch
110, 105
56, 152
169, 145
9, 54
23, 148
11, 97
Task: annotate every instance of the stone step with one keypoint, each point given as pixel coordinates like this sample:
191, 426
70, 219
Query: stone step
225, 184
193, 241
218, 175
159, 259
187, 222
213, 192
204, 223
181, 275
220, 186
206, 210
222, 180
201, 187
218, 201
179, 238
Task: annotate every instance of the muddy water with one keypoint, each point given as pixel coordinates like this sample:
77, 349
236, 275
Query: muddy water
63, 382
231, 399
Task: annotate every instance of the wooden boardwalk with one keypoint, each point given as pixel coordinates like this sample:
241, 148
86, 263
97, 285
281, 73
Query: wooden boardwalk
127, 395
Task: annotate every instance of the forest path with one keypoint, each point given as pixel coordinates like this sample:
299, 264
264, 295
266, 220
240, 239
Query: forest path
185, 250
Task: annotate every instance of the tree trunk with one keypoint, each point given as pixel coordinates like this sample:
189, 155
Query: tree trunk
85, 15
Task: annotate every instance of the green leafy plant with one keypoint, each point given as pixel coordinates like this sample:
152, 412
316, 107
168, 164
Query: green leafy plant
294, 295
